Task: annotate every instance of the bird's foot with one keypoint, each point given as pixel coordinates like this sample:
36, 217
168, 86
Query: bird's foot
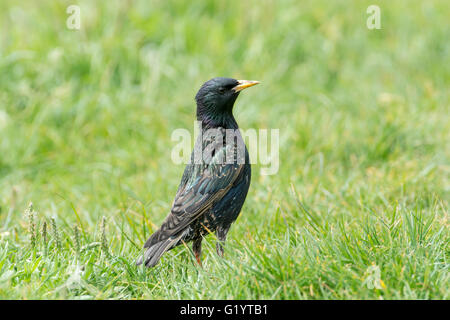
198, 258
219, 250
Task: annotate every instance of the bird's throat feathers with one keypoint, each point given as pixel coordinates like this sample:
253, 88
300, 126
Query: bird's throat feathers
213, 112
215, 120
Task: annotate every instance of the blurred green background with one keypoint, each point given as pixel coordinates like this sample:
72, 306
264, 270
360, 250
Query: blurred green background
86, 118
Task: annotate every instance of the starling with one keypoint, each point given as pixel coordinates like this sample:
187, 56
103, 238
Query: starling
216, 180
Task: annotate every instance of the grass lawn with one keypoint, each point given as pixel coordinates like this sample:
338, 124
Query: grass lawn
357, 210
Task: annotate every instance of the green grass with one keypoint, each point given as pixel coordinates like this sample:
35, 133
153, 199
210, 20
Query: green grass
85, 132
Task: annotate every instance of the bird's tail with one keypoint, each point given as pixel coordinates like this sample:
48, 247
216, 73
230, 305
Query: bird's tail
153, 253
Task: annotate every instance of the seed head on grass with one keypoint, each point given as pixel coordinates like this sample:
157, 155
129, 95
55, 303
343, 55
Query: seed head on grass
103, 240
45, 236
55, 233
29, 212
76, 233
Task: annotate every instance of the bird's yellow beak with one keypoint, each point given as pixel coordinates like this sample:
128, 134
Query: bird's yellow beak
243, 84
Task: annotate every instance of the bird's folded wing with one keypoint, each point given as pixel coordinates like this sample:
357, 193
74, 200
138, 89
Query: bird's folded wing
205, 185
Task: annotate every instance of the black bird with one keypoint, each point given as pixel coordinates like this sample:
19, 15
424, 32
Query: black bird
215, 182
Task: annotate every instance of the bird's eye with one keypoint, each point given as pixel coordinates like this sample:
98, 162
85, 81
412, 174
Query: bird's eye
221, 90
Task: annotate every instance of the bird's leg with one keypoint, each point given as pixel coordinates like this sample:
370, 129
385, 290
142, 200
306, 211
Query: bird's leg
221, 234
219, 249
197, 248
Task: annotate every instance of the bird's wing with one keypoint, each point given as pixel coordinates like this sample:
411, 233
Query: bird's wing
202, 185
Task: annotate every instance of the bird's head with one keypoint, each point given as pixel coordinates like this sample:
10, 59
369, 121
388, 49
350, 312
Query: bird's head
216, 98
